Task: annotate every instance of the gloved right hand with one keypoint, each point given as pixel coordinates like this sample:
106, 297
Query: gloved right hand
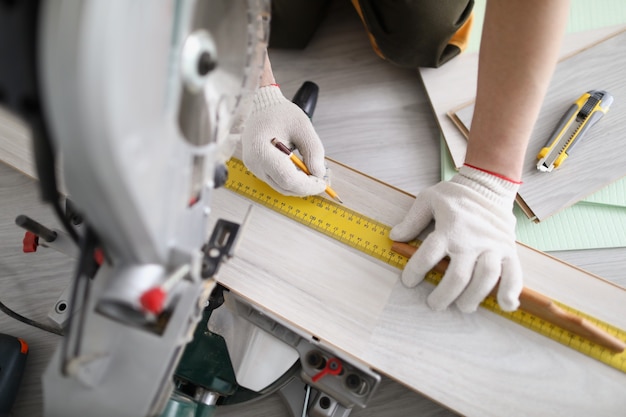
273, 116
475, 227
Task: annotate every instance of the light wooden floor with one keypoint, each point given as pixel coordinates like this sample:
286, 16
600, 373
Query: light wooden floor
370, 115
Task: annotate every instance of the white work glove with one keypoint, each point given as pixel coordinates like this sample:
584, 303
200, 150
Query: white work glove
273, 116
475, 227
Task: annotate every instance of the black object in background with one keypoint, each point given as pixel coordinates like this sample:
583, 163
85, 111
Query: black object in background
13, 352
306, 97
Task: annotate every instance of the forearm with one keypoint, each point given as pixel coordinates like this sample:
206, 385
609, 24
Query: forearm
267, 77
519, 49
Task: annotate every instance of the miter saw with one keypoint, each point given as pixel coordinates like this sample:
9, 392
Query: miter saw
137, 103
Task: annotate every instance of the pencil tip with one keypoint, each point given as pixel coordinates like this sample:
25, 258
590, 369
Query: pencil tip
339, 199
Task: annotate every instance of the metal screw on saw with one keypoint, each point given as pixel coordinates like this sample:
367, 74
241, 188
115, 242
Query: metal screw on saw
199, 57
356, 384
325, 403
206, 63
61, 306
316, 360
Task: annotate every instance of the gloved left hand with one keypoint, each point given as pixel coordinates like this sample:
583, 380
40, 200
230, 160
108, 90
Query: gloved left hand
273, 116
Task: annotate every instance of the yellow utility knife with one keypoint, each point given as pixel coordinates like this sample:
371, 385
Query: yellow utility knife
583, 114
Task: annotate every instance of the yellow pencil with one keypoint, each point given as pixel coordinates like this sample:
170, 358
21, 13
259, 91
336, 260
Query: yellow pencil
298, 162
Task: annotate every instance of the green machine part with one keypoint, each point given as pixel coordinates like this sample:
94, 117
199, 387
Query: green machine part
206, 363
205, 377
181, 406
204, 374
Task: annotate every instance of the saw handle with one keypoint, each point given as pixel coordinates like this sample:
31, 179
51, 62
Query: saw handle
306, 97
540, 306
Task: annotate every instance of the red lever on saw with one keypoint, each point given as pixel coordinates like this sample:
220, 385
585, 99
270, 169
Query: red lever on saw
333, 367
30, 242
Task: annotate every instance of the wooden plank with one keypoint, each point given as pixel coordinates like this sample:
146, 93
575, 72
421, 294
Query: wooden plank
449, 357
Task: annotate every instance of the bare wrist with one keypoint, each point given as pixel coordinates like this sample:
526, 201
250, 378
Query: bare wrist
267, 77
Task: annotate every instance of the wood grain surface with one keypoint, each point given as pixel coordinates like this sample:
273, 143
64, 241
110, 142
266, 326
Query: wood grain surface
15, 145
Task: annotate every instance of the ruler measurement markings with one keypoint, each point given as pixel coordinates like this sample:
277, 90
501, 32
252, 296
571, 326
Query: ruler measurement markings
371, 237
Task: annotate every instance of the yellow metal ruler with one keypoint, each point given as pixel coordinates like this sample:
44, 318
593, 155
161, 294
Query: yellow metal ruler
372, 238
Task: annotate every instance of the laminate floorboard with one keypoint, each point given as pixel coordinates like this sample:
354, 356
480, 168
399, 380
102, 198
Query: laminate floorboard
422, 347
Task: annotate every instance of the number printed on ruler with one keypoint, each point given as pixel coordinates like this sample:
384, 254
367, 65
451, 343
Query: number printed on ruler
330, 218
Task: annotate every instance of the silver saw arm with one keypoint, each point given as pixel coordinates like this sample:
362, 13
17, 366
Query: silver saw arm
139, 97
